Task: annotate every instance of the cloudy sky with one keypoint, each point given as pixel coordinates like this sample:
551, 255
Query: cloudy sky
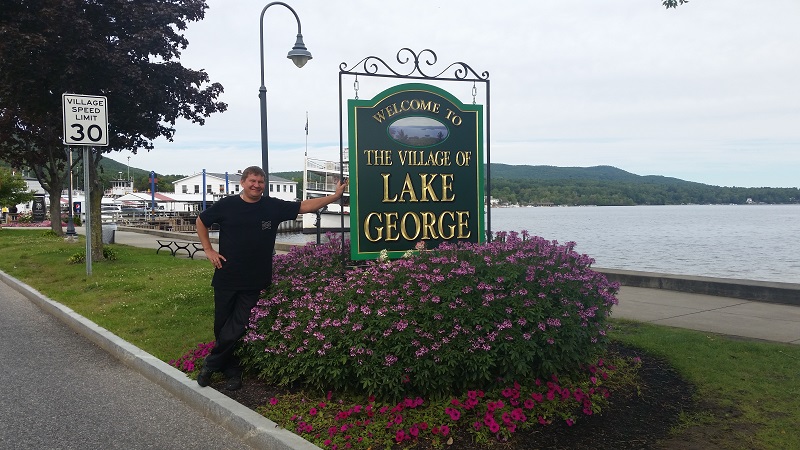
708, 92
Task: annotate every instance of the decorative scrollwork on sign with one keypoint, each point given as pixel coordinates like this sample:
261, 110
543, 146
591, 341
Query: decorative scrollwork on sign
372, 65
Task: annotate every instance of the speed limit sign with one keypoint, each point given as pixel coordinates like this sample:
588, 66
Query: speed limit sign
85, 120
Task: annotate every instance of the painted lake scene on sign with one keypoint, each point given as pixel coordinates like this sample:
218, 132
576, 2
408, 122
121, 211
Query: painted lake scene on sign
418, 131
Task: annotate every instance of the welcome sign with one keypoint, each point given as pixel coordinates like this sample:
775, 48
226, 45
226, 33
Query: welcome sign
416, 171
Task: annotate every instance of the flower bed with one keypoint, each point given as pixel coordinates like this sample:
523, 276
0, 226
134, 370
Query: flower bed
433, 324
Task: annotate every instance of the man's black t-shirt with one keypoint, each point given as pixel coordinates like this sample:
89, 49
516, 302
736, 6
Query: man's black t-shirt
247, 239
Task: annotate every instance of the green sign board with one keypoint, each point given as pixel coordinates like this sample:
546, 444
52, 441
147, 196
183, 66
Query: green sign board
416, 171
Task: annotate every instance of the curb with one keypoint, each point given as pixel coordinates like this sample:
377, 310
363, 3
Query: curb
250, 427
759, 291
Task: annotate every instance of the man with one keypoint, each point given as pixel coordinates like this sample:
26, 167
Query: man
243, 266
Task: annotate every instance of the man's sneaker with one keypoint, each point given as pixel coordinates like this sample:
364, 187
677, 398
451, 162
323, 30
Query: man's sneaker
204, 377
234, 382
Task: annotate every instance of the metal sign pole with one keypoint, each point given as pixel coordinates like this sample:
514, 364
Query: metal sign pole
87, 202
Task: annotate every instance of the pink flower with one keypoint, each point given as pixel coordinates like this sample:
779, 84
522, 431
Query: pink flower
445, 430
313, 411
273, 401
453, 413
542, 421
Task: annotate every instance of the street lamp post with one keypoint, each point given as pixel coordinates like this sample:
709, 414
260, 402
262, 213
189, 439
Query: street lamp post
299, 55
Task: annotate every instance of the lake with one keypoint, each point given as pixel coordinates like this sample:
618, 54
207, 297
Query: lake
755, 242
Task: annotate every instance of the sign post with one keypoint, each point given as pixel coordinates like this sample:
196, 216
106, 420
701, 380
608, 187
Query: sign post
86, 198
85, 119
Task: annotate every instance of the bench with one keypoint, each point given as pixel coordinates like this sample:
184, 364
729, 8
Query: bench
175, 246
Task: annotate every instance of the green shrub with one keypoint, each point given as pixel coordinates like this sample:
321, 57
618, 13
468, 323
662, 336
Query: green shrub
50, 234
80, 257
76, 219
434, 323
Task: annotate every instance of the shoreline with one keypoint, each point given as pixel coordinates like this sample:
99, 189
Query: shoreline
755, 290
746, 289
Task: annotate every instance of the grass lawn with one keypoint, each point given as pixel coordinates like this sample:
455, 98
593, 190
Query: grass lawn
753, 387
164, 305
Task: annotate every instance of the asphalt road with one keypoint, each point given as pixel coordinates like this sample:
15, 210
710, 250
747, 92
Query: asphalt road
60, 391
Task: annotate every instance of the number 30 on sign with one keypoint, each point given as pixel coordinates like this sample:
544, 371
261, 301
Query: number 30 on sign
85, 120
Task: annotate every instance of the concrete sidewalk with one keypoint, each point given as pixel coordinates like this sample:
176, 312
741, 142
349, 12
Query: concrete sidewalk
723, 315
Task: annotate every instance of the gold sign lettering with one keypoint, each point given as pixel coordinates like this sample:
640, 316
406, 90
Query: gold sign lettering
425, 192
390, 226
406, 106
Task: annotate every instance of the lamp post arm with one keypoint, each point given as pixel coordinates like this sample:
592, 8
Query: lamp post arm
299, 31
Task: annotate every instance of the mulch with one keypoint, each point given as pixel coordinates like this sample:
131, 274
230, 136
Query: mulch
640, 419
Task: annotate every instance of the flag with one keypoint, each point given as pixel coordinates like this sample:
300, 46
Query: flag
306, 124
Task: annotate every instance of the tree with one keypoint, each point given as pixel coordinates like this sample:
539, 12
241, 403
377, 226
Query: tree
13, 189
126, 51
673, 3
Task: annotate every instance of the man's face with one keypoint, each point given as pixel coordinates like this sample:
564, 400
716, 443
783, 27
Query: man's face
253, 187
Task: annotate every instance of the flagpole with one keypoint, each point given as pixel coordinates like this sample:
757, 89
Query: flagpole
306, 134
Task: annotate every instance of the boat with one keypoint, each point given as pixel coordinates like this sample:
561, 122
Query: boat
320, 178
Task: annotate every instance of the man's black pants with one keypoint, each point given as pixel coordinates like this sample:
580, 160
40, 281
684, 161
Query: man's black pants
231, 316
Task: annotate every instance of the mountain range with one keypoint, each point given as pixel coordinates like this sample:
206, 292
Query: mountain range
597, 185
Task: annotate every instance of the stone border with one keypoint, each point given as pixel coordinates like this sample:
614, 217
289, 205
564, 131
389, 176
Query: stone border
760, 291
250, 427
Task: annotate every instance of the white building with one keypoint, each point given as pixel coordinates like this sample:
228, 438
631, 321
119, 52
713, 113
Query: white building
215, 185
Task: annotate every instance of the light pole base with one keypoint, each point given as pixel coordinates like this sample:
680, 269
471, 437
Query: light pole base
71, 227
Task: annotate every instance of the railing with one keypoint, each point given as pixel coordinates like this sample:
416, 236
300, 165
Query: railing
328, 166
320, 186
289, 226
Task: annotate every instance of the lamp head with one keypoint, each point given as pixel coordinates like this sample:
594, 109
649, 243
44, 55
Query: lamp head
299, 53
